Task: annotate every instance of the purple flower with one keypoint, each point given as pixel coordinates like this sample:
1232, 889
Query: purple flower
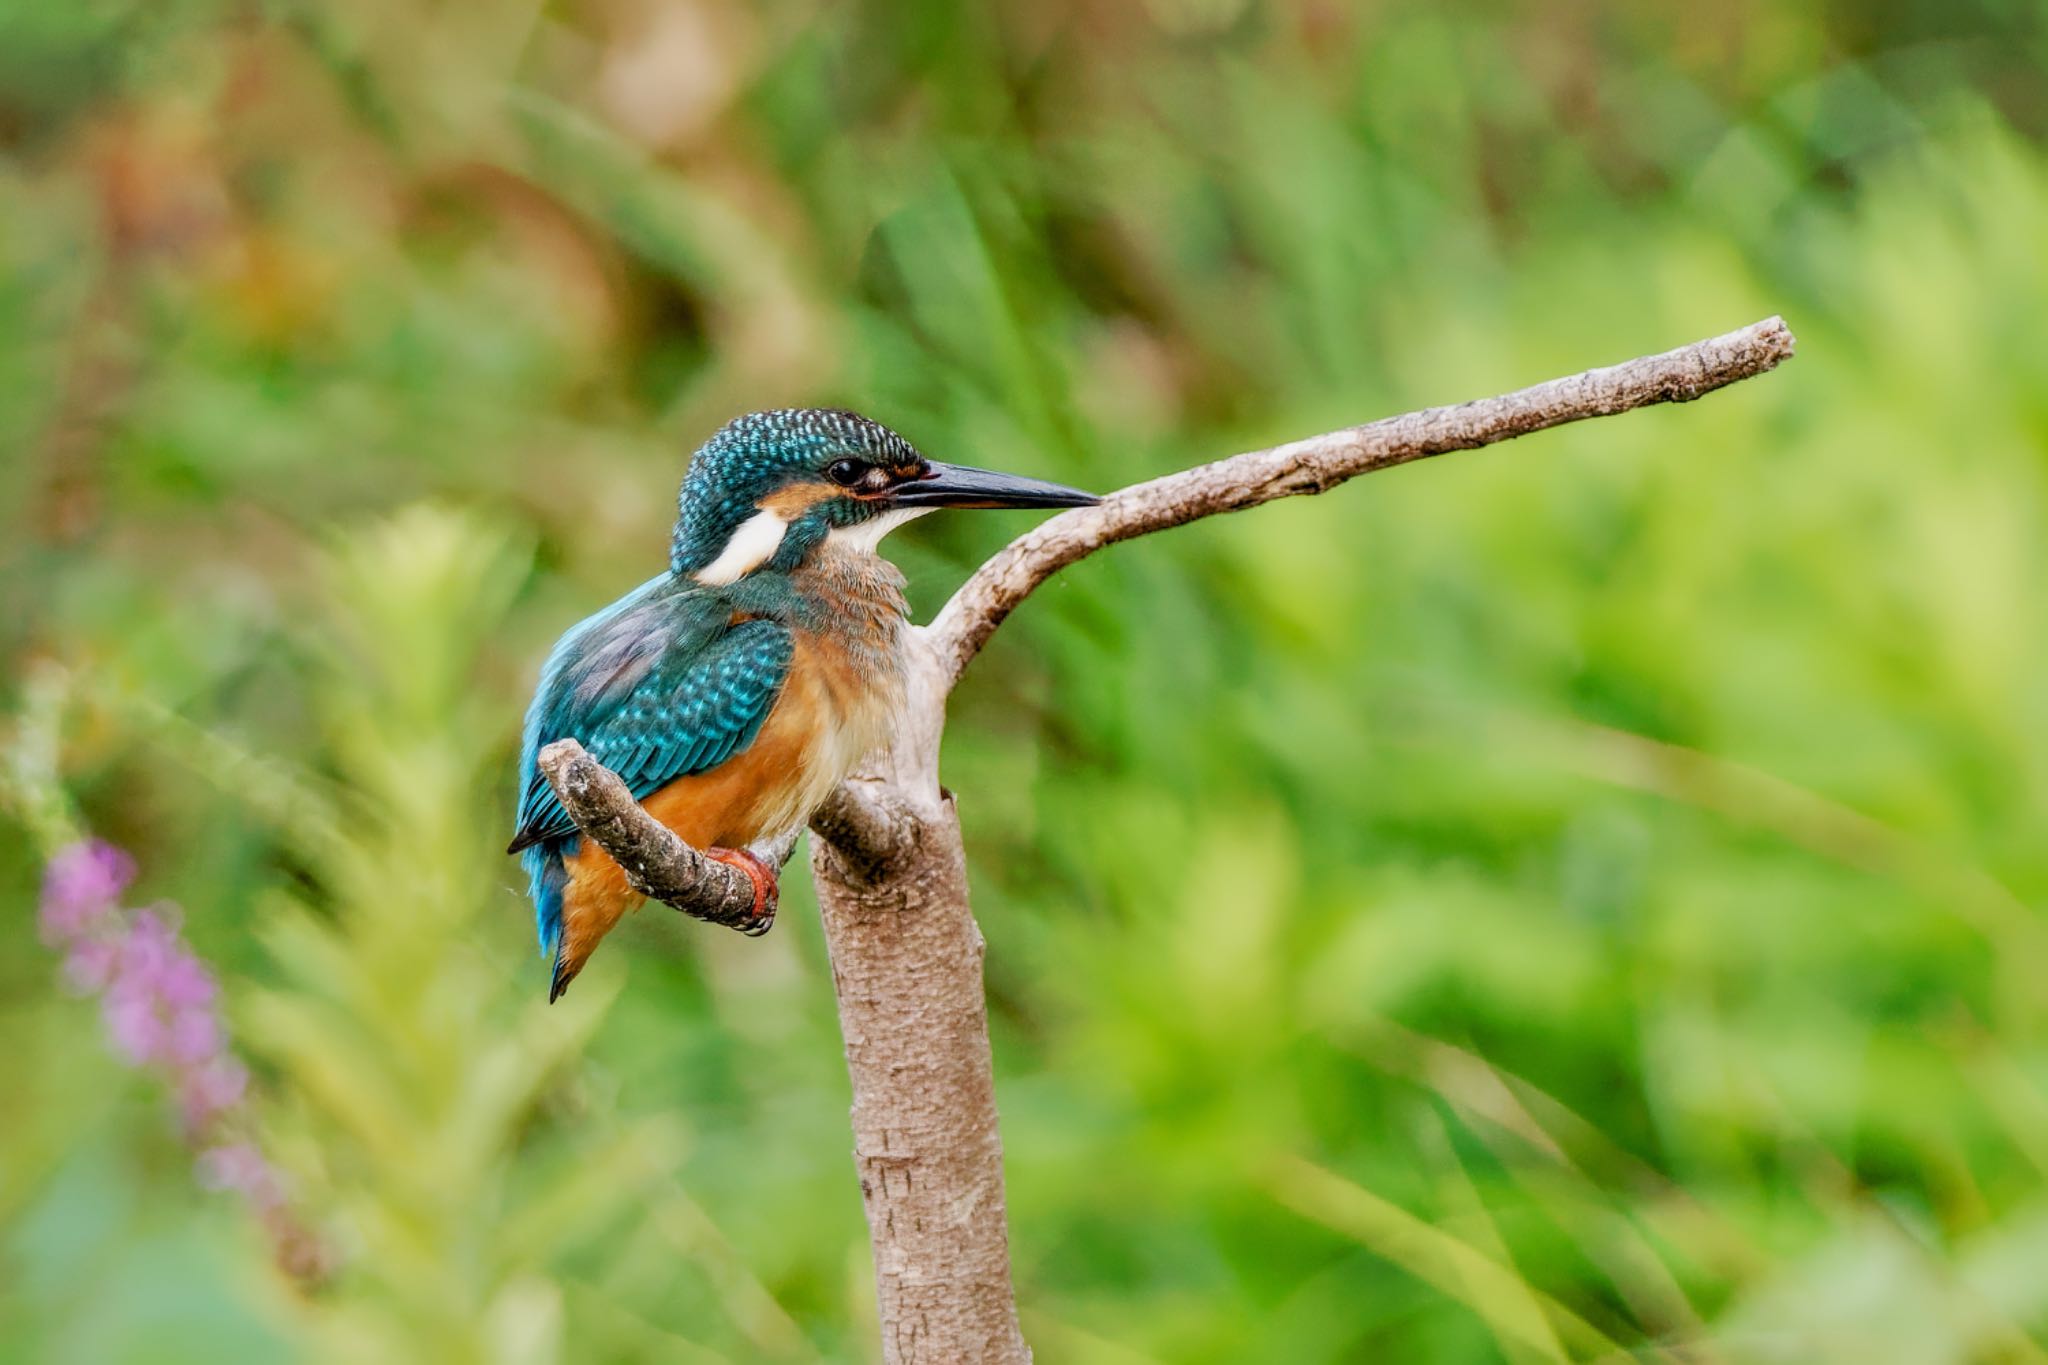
192, 1037
82, 886
159, 1003
210, 1091
161, 1006
183, 982
90, 963
134, 1025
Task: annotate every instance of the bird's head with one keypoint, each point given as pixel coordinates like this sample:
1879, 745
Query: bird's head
771, 488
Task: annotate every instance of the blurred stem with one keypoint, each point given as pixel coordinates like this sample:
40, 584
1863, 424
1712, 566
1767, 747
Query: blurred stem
1576, 1162
295, 802
1517, 1313
34, 791
1757, 799
1752, 796
34, 788
1467, 1209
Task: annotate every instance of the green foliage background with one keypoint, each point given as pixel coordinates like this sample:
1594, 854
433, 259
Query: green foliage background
1576, 900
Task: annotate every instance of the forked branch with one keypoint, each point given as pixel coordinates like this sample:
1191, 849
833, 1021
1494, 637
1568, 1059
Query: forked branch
891, 872
868, 827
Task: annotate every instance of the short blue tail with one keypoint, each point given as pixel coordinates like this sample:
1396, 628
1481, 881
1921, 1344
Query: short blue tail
549, 878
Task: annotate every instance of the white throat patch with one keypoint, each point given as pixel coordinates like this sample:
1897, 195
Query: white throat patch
867, 536
754, 542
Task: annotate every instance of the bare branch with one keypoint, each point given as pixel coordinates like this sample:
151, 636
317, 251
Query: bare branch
906, 966
867, 826
1320, 463
657, 863
891, 872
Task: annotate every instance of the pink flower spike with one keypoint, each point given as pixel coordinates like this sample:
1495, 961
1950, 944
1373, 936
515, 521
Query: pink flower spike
192, 1036
160, 1003
150, 948
183, 981
209, 1091
89, 965
81, 886
134, 1025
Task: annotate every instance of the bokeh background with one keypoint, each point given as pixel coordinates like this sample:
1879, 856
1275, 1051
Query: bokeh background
1581, 899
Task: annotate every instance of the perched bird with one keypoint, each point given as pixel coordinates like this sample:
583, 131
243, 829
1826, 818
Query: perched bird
736, 690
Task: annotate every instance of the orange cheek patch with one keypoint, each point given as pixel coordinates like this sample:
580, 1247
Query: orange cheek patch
793, 500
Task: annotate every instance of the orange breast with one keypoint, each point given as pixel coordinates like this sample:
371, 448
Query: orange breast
818, 728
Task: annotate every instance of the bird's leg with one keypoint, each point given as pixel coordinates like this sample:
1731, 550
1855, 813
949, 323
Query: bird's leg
766, 893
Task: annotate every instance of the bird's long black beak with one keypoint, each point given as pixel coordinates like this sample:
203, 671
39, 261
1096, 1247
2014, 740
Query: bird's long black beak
957, 485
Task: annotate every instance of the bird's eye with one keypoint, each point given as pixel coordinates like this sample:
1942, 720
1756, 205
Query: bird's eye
846, 473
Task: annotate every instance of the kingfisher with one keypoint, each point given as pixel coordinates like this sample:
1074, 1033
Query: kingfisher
734, 691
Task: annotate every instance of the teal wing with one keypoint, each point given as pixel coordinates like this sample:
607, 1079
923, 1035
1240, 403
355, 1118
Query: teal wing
681, 713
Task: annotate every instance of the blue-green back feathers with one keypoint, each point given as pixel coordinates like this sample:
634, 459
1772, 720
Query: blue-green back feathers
678, 676
661, 684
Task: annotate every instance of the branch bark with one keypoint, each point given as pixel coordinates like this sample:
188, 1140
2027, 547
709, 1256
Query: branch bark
890, 867
657, 863
1320, 463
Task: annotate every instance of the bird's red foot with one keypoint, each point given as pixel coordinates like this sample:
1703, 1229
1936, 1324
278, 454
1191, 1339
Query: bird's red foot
766, 892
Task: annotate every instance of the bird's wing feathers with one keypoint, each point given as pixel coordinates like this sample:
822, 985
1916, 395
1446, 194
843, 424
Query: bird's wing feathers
681, 712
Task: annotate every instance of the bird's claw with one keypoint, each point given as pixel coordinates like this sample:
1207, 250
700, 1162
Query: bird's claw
766, 888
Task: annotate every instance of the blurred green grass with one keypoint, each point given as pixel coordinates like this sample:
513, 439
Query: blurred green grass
1570, 899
